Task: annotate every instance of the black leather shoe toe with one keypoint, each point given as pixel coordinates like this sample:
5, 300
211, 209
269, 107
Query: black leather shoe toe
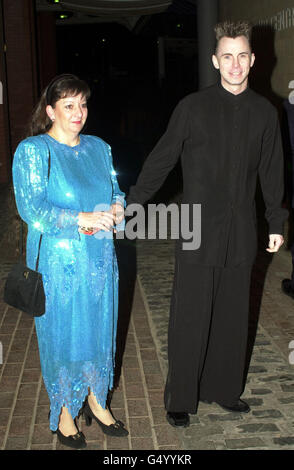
239, 407
178, 419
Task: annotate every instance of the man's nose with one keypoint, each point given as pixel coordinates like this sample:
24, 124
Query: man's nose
236, 62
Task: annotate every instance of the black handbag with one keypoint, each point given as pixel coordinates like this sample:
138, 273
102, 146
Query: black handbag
24, 288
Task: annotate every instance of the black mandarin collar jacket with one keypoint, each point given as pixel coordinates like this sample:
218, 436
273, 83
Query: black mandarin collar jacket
225, 141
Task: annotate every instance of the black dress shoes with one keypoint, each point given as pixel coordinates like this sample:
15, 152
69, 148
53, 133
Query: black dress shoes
287, 287
239, 407
178, 419
76, 441
117, 429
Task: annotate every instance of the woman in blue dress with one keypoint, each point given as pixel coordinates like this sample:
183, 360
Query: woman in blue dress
66, 189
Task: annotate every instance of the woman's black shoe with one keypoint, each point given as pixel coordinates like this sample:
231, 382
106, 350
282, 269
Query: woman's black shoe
178, 419
117, 429
76, 441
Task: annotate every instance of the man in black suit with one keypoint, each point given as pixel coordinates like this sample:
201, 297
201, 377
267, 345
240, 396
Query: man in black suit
288, 284
226, 135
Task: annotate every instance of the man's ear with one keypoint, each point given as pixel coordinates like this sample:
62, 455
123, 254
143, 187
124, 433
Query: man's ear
252, 59
215, 61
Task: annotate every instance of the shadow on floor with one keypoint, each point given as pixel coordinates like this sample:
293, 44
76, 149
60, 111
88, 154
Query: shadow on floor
126, 257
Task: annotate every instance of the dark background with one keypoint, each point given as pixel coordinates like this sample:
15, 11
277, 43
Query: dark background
129, 106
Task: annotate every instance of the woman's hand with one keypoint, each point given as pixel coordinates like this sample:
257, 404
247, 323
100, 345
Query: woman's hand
118, 211
92, 222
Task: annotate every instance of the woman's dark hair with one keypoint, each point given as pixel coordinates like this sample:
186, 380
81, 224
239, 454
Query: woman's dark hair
60, 87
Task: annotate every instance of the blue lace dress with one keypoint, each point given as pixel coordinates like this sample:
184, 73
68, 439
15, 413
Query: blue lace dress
76, 336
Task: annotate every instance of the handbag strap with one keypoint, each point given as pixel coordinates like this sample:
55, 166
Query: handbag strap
21, 227
41, 236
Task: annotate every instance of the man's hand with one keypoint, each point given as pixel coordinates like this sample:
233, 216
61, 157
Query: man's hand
275, 242
118, 212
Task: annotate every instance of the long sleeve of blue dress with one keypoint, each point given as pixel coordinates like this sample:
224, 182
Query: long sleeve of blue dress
30, 176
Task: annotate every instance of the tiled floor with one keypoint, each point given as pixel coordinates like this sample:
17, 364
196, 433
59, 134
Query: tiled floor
270, 381
138, 401
142, 353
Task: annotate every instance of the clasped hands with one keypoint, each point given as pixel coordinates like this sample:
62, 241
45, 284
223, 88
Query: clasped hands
91, 222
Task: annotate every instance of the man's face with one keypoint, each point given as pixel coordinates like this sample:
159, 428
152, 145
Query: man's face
234, 60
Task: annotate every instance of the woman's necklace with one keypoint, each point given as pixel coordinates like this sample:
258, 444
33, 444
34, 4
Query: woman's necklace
54, 137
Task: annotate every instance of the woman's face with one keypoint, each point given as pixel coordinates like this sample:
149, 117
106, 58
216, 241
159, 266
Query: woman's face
69, 114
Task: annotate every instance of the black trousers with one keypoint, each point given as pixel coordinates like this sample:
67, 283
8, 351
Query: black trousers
207, 337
